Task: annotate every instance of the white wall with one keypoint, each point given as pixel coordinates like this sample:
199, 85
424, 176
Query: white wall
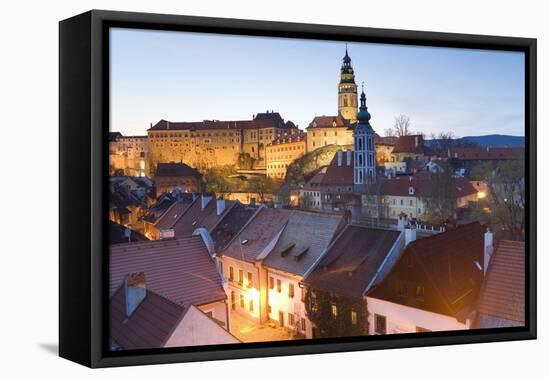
404, 319
29, 76
218, 310
198, 329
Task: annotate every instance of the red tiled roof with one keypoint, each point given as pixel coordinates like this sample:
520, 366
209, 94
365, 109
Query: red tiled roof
339, 175
180, 269
399, 186
258, 123
175, 169
413, 144
173, 213
486, 153
299, 136
195, 217
503, 293
149, 326
328, 122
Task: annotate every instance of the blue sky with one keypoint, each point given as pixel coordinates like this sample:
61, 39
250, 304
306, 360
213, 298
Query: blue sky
191, 77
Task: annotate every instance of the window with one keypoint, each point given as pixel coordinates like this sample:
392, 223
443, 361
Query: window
251, 305
209, 314
249, 279
333, 311
401, 202
303, 324
402, 289
241, 300
379, 324
278, 286
269, 309
422, 329
410, 202
291, 290
271, 283
353, 317
233, 304
231, 274
241, 277
419, 292
290, 319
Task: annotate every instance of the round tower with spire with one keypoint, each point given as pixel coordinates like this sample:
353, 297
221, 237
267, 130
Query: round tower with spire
364, 172
347, 91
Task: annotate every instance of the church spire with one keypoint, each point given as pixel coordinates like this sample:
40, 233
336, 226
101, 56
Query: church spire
347, 90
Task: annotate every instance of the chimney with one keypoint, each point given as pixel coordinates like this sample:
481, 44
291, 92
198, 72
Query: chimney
348, 157
488, 250
167, 234
205, 200
410, 235
339, 154
253, 201
220, 206
416, 141
135, 291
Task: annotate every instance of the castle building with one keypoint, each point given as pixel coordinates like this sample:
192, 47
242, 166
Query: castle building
347, 91
283, 151
209, 144
127, 155
337, 130
364, 172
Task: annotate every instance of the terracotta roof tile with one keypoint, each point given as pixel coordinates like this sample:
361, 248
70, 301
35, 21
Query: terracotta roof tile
339, 175
413, 144
486, 153
180, 269
503, 292
175, 169
421, 183
328, 122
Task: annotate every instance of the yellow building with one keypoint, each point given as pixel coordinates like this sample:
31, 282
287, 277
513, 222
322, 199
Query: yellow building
127, 155
325, 130
209, 144
283, 151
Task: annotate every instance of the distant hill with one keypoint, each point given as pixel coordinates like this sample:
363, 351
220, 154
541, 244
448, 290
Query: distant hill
497, 140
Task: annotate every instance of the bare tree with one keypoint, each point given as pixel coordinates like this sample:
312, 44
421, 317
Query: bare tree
402, 125
389, 132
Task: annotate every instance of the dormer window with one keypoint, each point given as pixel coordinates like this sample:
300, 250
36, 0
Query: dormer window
411, 190
244, 241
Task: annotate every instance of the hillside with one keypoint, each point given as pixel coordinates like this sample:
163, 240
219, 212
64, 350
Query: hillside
303, 168
497, 140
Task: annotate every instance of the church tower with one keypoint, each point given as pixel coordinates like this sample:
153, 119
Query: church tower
364, 172
347, 91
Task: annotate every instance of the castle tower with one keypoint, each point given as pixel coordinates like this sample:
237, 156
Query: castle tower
347, 91
364, 172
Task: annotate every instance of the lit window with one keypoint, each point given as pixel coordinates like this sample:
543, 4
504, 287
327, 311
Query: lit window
251, 305
354, 317
271, 283
249, 278
291, 290
233, 300
241, 300
231, 274
278, 286
333, 311
290, 319
241, 277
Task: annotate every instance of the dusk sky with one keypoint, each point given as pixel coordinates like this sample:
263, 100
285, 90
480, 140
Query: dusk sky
192, 77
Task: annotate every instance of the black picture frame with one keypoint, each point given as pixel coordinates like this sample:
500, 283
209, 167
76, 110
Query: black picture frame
83, 154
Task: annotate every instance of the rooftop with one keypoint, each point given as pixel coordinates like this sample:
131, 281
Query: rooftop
352, 261
503, 292
328, 122
175, 169
413, 144
339, 174
486, 153
180, 269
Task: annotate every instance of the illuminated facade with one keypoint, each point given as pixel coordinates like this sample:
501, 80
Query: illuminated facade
127, 155
283, 151
210, 144
347, 91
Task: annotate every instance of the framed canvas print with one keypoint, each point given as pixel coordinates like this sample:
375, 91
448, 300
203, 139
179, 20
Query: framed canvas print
234, 188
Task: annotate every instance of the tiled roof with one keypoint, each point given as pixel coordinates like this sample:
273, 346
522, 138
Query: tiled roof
422, 185
230, 225
451, 262
257, 123
352, 261
503, 292
257, 234
149, 326
328, 122
299, 136
195, 217
304, 239
169, 217
486, 153
413, 144
180, 269
175, 169
316, 180
339, 175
